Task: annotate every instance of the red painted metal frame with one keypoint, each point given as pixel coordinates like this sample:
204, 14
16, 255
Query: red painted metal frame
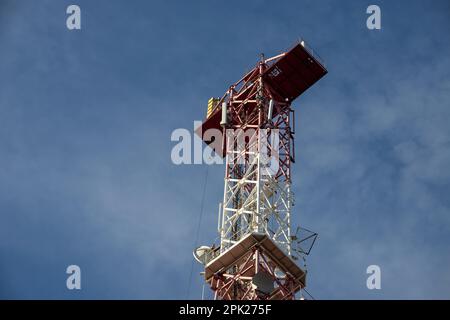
238, 284
285, 77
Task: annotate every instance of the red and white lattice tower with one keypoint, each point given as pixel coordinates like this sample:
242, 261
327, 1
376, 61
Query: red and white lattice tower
254, 259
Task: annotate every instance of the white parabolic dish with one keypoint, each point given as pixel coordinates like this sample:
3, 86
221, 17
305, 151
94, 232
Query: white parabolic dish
200, 254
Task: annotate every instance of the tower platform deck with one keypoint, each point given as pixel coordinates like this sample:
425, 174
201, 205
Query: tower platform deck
240, 249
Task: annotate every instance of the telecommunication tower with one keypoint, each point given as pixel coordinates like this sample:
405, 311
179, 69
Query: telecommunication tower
257, 251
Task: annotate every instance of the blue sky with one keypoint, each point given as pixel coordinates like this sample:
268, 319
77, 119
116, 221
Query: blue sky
86, 118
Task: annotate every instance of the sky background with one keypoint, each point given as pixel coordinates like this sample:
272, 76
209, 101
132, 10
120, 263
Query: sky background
86, 117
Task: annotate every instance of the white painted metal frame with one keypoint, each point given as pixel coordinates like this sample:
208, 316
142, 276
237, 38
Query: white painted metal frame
255, 199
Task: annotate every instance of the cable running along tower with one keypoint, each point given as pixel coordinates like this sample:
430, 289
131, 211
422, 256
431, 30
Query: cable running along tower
258, 251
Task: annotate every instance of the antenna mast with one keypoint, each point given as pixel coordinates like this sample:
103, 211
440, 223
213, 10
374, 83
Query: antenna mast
257, 251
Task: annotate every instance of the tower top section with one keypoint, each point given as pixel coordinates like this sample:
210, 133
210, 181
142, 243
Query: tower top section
286, 76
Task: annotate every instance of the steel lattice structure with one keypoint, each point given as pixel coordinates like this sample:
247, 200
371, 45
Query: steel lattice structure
254, 259
257, 199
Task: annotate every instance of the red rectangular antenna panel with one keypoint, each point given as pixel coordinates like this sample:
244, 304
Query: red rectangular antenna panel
294, 73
